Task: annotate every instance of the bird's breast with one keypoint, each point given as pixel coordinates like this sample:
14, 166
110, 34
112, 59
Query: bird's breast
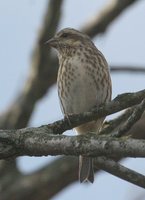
76, 85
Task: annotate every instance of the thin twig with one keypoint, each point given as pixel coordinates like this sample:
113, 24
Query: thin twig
136, 115
112, 125
127, 69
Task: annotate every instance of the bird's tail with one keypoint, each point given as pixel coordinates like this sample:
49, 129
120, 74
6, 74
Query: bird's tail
86, 172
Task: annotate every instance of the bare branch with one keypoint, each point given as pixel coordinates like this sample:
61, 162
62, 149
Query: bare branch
39, 78
120, 171
44, 66
121, 102
138, 129
37, 142
114, 124
41, 184
127, 69
45, 77
135, 116
101, 21
24, 105
46, 178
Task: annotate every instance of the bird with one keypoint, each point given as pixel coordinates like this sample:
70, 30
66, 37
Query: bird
83, 82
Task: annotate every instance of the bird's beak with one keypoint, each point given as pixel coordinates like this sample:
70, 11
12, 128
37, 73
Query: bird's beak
52, 42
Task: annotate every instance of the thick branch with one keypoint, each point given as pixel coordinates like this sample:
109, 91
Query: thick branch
37, 142
40, 77
27, 105
23, 137
39, 80
41, 185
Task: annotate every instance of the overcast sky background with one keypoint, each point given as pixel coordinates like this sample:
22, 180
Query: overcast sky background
123, 43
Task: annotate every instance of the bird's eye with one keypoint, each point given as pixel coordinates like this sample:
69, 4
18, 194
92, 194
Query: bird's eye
64, 35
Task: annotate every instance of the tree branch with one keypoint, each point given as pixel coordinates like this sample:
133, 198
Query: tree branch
114, 124
18, 139
121, 102
127, 69
135, 116
40, 77
120, 171
43, 180
29, 142
24, 104
40, 141
37, 142
27, 104
39, 80
41, 184
101, 21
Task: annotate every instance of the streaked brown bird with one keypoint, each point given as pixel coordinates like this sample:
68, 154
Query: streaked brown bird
83, 82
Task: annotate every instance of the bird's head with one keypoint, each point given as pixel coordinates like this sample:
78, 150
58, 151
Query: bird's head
68, 38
